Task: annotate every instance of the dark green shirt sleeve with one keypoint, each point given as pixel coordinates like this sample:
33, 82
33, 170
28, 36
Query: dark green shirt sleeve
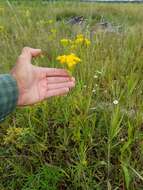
8, 95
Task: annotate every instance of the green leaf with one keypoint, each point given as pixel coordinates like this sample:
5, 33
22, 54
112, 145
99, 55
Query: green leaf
126, 176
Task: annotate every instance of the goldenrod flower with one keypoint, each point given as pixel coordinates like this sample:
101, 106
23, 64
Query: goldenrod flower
53, 31
62, 59
65, 41
53, 34
81, 39
12, 134
87, 42
80, 36
70, 60
50, 21
84, 162
73, 47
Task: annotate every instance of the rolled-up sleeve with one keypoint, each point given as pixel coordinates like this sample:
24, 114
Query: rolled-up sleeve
8, 95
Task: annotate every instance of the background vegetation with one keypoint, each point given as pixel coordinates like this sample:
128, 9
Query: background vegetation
91, 139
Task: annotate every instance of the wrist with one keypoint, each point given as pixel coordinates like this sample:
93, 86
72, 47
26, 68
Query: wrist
8, 93
18, 88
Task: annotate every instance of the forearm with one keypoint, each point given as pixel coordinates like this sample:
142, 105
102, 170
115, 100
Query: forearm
8, 95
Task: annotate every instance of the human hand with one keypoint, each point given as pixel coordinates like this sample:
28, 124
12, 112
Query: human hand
39, 83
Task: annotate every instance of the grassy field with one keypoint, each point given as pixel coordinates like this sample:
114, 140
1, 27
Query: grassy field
91, 139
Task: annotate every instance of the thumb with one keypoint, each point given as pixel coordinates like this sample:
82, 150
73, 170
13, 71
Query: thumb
31, 51
27, 53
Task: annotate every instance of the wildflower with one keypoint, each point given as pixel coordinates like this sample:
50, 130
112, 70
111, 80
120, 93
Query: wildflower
80, 36
115, 102
87, 42
93, 90
12, 134
70, 60
84, 86
50, 21
95, 76
53, 34
53, 31
80, 39
73, 47
62, 59
93, 108
84, 162
65, 41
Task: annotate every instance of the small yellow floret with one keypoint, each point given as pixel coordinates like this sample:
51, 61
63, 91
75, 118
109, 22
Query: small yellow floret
70, 60
65, 41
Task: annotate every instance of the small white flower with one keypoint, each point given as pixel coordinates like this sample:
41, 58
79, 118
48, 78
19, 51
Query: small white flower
93, 108
95, 77
93, 90
84, 86
115, 102
96, 85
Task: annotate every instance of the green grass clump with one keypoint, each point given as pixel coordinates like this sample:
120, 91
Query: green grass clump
46, 178
91, 139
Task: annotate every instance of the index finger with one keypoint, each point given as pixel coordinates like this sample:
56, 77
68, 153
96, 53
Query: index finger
49, 72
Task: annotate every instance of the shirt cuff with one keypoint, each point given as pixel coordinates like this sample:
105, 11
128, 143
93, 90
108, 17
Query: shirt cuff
8, 95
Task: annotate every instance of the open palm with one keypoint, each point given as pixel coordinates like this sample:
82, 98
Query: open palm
38, 83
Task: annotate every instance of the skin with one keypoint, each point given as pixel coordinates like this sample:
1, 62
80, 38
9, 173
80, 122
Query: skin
36, 84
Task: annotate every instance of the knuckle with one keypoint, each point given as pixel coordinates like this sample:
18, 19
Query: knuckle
25, 49
20, 58
67, 89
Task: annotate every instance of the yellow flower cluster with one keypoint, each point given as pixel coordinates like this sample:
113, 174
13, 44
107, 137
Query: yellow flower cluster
53, 31
45, 22
72, 44
50, 21
70, 60
12, 134
79, 40
65, 41
84, 162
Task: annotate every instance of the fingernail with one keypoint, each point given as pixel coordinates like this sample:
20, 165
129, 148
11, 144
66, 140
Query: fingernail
72, 79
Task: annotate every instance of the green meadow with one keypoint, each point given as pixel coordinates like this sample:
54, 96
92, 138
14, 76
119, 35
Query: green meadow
91, 139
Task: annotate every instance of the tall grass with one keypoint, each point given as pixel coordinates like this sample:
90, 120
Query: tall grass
84, 140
